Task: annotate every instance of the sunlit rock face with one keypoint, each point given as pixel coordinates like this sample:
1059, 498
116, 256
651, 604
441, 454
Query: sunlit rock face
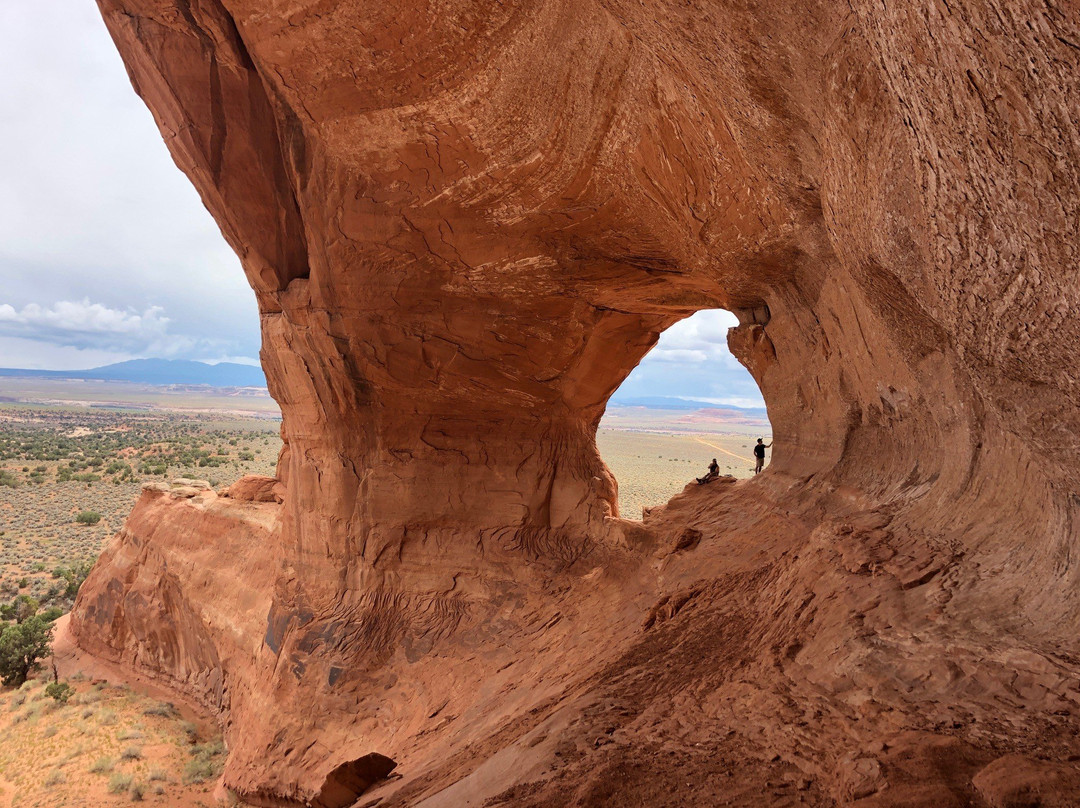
465, 223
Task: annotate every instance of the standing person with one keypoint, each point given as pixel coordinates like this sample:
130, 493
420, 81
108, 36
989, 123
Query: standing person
759, 455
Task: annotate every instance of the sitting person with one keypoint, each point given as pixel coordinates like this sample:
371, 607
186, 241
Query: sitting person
714, 472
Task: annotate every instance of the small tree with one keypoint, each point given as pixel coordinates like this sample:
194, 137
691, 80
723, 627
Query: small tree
52, 614
88, 518
25, 607
60, 691
21, 646
73, 576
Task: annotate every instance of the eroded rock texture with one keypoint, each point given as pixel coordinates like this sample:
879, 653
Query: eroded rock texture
465, 222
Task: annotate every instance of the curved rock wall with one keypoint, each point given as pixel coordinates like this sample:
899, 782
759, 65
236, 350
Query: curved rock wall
465, 224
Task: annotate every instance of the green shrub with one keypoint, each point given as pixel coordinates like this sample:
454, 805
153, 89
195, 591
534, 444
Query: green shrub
89, 697
21, 646
119, 783
205, 763
160, 708
132, 753
73, 576
60, 691
55, 778
137, 791
191, 732
52, 614
88, 517
25, 606
102, 766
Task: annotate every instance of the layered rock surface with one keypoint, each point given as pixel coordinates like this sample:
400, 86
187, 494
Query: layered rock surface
465, 223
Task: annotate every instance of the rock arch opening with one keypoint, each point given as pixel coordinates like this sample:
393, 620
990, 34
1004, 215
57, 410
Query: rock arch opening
689, 401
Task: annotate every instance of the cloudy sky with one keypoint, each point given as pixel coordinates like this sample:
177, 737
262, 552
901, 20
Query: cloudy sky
692, 361
106, 252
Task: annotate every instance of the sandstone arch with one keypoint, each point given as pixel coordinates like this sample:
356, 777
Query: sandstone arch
466, 222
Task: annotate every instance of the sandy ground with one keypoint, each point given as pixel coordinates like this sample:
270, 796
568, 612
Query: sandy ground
653, 467
112, 743
242, 401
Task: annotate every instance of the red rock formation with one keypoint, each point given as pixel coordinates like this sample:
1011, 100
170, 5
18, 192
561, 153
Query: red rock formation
465, 223
256, 488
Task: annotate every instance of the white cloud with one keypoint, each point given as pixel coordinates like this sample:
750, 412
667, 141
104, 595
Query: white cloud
94, 327
692, 361
699, 338
677, 355
73, 320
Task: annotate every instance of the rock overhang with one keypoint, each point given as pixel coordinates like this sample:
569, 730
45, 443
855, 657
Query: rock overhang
465, 225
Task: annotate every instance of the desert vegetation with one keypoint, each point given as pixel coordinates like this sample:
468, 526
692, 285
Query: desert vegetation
69, 476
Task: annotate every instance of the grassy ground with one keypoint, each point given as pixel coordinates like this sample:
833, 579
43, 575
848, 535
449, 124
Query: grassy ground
105, 746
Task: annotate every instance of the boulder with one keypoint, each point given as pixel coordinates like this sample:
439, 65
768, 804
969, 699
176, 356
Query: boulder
253, 488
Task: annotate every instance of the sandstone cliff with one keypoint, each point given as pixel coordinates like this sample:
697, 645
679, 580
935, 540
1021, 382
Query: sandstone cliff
465, 223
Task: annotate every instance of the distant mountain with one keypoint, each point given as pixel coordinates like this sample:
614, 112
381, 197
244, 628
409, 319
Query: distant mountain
669, 403
157, 371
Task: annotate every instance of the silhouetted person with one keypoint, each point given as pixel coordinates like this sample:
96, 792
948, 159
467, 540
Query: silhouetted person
759, 455
714, 472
